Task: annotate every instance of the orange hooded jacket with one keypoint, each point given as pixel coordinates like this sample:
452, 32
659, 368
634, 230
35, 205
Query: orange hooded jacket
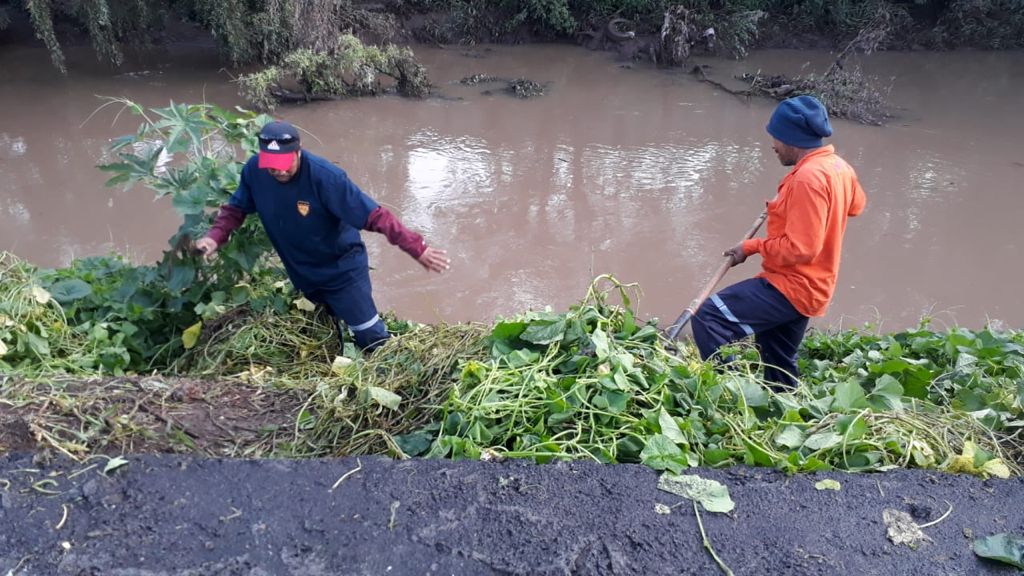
806, 223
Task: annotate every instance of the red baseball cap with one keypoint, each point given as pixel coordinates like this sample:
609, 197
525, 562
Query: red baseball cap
279, 141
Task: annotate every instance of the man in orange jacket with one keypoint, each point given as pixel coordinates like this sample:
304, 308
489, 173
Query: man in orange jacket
800, 252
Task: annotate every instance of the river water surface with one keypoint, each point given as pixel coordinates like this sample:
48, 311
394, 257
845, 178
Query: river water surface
645, 174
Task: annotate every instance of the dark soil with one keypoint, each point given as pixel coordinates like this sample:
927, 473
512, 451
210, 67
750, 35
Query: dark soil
186, 515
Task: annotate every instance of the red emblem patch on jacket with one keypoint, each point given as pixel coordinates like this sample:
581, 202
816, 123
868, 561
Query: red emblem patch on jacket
303, 208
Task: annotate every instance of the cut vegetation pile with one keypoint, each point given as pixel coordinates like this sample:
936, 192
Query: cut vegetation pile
593, 382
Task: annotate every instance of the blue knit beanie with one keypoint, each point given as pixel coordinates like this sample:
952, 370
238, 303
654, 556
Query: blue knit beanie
801, 121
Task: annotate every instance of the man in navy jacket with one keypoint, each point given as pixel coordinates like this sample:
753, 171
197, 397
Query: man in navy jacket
313, 214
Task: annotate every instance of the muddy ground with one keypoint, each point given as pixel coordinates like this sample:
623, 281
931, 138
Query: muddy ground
187, 515
139, 415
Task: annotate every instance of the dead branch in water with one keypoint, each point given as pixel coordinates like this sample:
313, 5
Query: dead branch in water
700, 73
845, 90
867, 40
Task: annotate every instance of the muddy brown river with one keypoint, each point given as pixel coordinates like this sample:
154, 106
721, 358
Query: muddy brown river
645, 174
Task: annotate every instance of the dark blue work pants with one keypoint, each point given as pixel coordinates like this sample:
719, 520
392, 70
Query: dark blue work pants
352, 304
753, 308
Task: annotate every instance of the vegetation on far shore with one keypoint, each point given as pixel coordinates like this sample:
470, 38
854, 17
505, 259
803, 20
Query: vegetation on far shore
87, 351
265, 31
324, 49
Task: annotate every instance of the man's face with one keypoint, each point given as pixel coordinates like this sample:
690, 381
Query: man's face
787, 154
283, 176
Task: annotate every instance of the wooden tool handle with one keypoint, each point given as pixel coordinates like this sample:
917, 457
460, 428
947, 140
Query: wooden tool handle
684, 318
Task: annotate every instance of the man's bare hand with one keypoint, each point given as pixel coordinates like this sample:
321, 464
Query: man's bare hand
205, 246
736, 253
435, 260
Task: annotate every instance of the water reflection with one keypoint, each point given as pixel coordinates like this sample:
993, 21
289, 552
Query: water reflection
11, 147
932, 179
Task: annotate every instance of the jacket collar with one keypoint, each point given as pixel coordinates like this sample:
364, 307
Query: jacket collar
817, 152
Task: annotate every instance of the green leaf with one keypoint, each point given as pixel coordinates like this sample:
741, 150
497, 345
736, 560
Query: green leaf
712, 495
37, 344
479, 434
544, 331
114, 463
1003, 547
814, 465
616, 401
122, 178
670, 428
189, 202
523, 357
848, 395
995, 467
646, 334
661, 453
621, 382
916, 383
851, 427
857, 461
628, 448
508, 330
827, 484
384, 397
716, 456
887, 394
454, 424
757, 455
628, 322
415, 443
791, 437
823, 441
894, 366
191, 335
118, 143
600, 340
67, 291
181, 276
754, 393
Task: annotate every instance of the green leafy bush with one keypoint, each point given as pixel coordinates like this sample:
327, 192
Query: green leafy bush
113, 316
350, 68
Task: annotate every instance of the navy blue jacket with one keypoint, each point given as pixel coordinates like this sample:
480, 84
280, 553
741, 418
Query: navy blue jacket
313, 220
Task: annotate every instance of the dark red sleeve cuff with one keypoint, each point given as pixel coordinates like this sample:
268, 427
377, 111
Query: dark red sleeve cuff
229, 218
381, 220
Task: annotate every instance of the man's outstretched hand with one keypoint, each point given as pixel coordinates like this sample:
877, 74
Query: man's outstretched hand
435, 260
205, 246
